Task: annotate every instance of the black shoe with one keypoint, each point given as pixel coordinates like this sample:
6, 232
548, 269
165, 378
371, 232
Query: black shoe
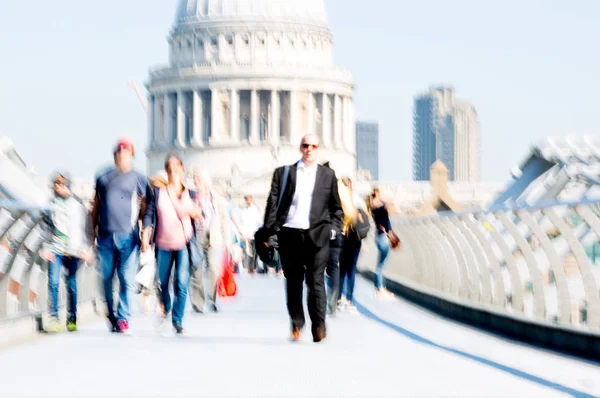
197, 309
113, 324
214, 308
319, 333
178, 329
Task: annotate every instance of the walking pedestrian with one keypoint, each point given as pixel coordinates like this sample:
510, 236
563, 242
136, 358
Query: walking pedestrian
169, 218
121, 195
68, 247
304, 210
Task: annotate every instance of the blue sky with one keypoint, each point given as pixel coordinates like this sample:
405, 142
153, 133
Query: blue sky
531, 69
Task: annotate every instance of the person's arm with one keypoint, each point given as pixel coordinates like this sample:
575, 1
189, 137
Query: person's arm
149, 219
335, 207
81, 218
47, 226
94, 217
272, 199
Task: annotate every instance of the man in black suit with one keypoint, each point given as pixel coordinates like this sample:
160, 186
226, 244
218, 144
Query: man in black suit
309, 215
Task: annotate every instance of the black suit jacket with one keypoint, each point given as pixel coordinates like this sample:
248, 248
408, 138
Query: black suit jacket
326, 210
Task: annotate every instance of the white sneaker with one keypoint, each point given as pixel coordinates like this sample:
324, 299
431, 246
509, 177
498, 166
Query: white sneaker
159, 322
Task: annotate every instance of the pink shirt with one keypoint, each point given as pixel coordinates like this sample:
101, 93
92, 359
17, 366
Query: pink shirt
174, 228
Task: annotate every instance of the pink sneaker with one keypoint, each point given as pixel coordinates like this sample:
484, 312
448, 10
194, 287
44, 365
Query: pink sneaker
123, 326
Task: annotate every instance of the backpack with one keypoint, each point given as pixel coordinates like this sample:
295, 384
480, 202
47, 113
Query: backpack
362, 228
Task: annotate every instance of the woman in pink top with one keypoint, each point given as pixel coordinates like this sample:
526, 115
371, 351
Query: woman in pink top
169, 214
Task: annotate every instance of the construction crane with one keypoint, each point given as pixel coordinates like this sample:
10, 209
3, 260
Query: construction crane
141, 96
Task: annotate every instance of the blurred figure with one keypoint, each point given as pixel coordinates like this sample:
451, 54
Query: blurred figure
308, 217
120, 200
170, 212
249, 220
355, 216
68, 246
335, 249
213, 231
380, 211
146, 277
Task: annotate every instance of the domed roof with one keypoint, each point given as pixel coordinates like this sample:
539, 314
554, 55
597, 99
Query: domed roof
309, 12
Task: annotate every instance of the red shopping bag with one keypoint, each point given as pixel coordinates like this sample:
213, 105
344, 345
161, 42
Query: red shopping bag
226, 286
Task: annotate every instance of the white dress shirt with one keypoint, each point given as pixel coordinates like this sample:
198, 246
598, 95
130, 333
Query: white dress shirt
250, 221
299, 215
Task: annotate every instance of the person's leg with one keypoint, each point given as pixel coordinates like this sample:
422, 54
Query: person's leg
196, 288
72, 264
252, 256
214, 269
127, 265
333, 278
291, 246
164, 264
180, 286
383, 246
315, 282
54, 270
344, 261
353, 257
107, 254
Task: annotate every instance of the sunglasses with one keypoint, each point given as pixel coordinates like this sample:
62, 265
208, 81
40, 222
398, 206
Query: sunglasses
123, 147
311, 146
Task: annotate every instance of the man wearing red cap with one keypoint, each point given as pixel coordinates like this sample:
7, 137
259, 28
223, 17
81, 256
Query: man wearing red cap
120, 198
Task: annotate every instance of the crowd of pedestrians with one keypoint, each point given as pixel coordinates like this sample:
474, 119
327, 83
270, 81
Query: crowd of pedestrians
313, 222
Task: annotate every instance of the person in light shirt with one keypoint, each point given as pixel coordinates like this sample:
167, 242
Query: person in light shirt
248, 220
305, 216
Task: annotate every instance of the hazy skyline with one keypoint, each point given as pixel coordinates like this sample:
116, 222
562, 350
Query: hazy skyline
529, 68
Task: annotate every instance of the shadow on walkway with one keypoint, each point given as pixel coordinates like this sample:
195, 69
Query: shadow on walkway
507, 369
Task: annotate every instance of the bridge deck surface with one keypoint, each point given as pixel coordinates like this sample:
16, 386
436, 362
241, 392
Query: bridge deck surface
388, 349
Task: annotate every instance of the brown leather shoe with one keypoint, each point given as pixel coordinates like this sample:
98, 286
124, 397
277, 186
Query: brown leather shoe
295, 334
319, 334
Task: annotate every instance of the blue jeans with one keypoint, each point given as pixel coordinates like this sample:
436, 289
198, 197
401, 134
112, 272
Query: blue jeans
383, 245
54, 271
119, 252
164, 264
348, 262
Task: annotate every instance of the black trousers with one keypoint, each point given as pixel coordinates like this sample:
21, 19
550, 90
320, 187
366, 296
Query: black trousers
333, 273
301, 260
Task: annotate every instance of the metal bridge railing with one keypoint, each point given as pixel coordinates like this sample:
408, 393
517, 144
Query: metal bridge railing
538, 262
23, 271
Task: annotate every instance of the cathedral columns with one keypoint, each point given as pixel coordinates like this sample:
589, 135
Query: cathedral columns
294, 134
168, 120
326, 120
235, 115
275, 118
337, 121
254, 118
158, 114
216, 117
197, 116
311, 113
181, 120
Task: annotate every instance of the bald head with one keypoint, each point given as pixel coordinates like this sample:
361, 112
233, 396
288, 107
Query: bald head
309, 146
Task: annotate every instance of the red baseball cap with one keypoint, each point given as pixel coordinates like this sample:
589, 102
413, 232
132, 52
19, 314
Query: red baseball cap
125, 142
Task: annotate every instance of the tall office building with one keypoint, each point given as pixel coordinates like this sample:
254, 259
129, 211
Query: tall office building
448, 130
367, 148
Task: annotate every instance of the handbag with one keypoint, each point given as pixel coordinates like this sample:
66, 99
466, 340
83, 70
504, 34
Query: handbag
270, 255
394, 239
226, 286
195, 252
